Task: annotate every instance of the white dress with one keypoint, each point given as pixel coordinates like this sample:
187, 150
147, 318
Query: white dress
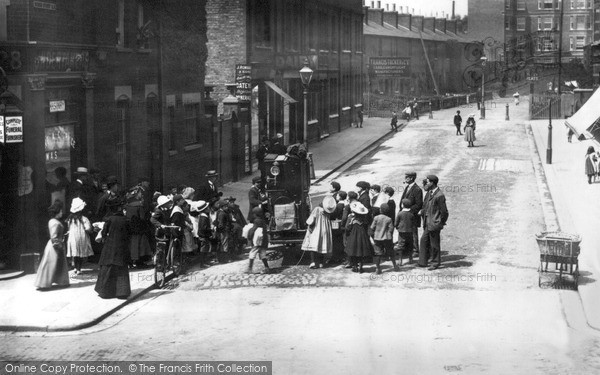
319, 238
78, 242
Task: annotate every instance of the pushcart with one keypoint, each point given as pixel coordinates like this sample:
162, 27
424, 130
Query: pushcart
559, 250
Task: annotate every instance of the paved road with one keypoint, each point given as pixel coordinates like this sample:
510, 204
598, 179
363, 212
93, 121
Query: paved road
483, 312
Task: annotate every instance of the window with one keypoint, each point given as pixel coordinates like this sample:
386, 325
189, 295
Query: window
547, 4
335, 36
192, 122
579, 22
120, 29
507, 24
521, 5
578, 4
312, 37
262, 23
521, 23
580, 42
346, 34
506, 4
545, 23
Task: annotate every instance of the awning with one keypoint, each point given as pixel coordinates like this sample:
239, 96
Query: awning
586, 117
281, 93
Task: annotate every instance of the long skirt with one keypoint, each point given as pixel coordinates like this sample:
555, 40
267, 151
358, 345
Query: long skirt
53, 268
139, 246
358, 243
113, 282
470, 134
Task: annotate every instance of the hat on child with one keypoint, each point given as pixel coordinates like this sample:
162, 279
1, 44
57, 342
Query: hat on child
329, 204
358, 208
77, 205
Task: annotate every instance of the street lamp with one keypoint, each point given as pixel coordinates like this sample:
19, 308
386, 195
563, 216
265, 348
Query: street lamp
483, 60
306, 75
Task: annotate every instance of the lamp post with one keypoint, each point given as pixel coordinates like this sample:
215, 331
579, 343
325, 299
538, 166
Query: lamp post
549, 148
483, 60
306, 75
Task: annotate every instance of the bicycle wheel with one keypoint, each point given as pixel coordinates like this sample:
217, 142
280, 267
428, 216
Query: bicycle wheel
160, 268
174, 258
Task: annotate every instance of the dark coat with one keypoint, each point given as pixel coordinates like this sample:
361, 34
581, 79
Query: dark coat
435, 212
207, 192
116, 233
255, 199
204, 229
457, 120
237, 215
415, 194
366, 201
392, 209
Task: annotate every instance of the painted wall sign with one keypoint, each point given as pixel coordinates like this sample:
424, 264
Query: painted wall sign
57, 106
51, 60
13, 129
1, 129
389, 66
243, 81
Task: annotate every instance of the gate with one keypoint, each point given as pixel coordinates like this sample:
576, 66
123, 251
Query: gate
544, 106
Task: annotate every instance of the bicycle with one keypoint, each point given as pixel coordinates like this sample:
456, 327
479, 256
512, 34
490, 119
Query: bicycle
168, 254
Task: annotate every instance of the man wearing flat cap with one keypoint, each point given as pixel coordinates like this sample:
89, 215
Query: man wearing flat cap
256, 197
208, 191
278, 147
435, 215
413, 192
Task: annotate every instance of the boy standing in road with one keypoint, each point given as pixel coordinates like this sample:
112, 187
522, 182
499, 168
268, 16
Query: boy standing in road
458, 122
405, 223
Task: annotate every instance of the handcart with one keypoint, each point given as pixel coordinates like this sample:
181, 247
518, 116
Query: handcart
559, 250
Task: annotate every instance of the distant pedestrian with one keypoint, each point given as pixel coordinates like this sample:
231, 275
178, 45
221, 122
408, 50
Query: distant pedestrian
406, 224
407, 112
591, 166
360, 119
53, 268
113, 277
435, 215
570, 135
516, 96
358, 244
458, 122
318, 239
394, 122
79, 245
470, 130
415, 108
382, 232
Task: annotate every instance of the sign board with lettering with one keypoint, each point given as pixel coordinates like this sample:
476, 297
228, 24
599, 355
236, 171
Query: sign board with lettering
13, 129
57, 106
243, 82
389, 66
1, 129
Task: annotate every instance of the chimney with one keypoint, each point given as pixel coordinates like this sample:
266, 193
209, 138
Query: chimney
405, 20
375, 16
453, 5
417, 22
391, 18
440, 24
451, 26
429, 24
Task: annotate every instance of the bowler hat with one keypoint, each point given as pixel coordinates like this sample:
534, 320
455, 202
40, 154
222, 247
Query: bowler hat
211, 173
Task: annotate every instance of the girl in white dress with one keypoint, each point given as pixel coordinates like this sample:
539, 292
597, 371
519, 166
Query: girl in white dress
79, 245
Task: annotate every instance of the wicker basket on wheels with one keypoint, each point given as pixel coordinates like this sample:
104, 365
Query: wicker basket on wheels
559, 248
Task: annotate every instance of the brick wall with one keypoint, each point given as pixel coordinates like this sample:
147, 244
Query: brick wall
227, 43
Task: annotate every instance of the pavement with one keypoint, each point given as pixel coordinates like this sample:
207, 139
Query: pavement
78, 306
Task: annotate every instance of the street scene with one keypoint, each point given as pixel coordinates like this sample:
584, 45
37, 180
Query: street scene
245, 215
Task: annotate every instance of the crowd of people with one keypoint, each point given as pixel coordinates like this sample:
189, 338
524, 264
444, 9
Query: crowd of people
118, 228
359, 225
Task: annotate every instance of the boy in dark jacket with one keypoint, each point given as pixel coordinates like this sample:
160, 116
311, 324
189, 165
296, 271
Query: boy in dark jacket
405, 223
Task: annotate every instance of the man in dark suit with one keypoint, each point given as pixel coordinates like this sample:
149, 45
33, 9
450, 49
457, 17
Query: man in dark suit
413, 192
208, 191
435, 215
457, 122
256, 198
278, 147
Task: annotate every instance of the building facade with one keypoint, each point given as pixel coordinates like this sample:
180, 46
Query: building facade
115, 85
271, 40
432, 56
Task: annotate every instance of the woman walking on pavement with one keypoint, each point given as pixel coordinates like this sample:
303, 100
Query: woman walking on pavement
470, 130
79, 246
113, 277
53, 267
591, 168
318, 239
358, 243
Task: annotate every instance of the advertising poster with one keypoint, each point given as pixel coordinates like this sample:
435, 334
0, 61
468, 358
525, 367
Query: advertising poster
1, 129
58, 143
13, 129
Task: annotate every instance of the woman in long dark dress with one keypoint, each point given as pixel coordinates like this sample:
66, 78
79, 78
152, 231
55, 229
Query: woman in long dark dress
358, 244
113, 278
53, 267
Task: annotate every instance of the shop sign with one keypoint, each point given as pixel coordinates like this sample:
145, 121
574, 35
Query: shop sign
389, 67
1, 129
52, 60
57, 106
13, 129
243, 82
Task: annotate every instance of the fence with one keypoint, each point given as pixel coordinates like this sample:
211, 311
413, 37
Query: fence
382, 106
540, 108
